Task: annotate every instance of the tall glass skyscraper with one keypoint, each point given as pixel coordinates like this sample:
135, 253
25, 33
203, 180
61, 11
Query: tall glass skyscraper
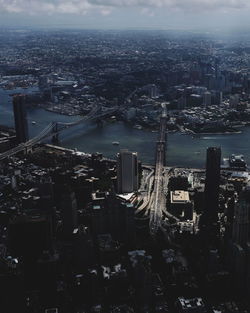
127, 172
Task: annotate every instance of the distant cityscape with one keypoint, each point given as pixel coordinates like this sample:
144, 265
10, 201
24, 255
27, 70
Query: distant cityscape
83, 232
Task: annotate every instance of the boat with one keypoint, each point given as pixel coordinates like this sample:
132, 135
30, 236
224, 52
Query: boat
115, 143
33, 122
138, 127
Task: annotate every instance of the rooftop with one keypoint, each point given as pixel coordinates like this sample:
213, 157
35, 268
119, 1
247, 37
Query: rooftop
179, 196
190, 304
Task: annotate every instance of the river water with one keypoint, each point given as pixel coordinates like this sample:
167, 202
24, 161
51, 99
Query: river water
182, 150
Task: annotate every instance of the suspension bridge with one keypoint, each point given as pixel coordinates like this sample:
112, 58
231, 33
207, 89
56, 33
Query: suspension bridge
54, 128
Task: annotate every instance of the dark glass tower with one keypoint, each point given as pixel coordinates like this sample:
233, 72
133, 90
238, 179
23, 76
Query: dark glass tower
20, 116
212, 185
241, 218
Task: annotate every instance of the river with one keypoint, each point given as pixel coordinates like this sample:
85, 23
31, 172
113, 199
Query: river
182, 150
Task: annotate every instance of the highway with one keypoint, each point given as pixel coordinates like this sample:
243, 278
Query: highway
158, 198
156, 183
145, 192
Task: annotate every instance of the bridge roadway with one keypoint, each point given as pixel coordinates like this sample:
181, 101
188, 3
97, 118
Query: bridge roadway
54, 128
157, 205
158, 197
154, 202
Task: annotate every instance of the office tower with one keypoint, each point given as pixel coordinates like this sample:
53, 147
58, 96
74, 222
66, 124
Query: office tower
113, 216
69, 211
154, 93
216, 97
207, 99
20, 116
241, 224
221, 97
240, 248
209, 81
127, 171
241, 219
212, 184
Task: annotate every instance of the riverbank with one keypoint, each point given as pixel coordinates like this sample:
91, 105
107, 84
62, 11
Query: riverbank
223, 133
181, 151
187, 131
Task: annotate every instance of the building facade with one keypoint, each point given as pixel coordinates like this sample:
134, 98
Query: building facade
127, 172
20, 116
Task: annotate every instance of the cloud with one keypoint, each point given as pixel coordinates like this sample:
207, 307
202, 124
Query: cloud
106, 6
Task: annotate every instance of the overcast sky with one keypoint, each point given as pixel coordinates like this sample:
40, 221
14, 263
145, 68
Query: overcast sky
114, 14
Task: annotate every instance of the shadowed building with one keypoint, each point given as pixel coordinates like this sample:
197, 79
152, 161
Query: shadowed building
212, 185
241, 219
29, 236
20, 116
127, 172
240, 248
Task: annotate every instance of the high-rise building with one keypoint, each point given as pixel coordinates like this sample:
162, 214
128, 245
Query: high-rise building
241, 218
221, 97
69, 211
241, 223
240, 252
20, 116
153, 91
112, 216
207, 99
212, 184
127, 172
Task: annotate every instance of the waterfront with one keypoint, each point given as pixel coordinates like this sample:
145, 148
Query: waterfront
182, 150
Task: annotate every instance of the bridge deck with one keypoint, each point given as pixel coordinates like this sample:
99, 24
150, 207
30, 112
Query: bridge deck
55, 128
158, 196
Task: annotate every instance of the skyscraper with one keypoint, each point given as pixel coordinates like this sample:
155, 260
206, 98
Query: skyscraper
212, 184
69, 211
240, 255
241, 219
20, 116
113, 216
127, 172
207, 99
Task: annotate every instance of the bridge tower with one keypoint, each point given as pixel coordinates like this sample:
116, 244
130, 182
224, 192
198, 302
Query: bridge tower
55, 137
28, 150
